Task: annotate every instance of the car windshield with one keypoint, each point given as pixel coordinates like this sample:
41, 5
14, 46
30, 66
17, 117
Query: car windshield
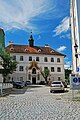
56, 83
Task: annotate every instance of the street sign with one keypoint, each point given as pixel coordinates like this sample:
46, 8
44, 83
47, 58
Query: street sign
77, 69
75, 83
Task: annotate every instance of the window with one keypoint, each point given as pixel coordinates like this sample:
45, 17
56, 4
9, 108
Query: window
37, 58
59, 78
52, 51
33, 71
26, 50
11, 49
52, 59
39, 50
21, 78
21, 58
14, 57
20, 68
58, 69
52, 69
30, 58
45, 68
58, 59
45, 59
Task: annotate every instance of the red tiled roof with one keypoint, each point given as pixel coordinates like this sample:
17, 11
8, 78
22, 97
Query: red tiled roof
13, 48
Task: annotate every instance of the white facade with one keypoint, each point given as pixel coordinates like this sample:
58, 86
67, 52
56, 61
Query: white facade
75, 32
24, 75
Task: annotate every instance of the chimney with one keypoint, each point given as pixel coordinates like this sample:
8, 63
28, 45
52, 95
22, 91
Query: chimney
10, 42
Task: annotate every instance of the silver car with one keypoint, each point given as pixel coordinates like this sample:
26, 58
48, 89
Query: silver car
56, 86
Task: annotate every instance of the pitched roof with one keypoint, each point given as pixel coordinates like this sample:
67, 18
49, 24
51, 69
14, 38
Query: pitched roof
14, 48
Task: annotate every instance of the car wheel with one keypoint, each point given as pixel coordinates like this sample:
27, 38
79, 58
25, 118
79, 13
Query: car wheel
50, 91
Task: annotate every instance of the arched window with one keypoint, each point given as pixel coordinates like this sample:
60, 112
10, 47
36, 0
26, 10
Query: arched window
33, 71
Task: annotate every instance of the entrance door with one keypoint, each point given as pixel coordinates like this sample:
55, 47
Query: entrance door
33, 80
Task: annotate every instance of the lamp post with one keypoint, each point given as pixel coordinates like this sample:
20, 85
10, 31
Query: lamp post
76, 54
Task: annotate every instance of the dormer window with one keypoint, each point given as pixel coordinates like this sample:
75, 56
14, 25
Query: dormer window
11, 49
26, 50
52, 51
39, 50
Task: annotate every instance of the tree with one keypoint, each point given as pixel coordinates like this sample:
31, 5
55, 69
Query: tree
9, 65
67, 73
45, 74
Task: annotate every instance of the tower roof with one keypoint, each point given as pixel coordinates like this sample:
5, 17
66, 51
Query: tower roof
31, 40
31, 37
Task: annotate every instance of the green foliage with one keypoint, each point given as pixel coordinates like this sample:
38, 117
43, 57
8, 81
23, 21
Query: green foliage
67, 73
45, 74
9, 65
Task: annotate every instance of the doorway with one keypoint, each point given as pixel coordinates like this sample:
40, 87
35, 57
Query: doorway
33, 80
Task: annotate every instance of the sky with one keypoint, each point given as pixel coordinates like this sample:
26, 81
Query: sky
47, 19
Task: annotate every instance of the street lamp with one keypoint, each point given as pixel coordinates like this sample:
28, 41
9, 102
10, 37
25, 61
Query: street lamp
76, 54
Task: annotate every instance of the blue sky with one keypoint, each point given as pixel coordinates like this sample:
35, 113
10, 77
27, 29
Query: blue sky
48, 20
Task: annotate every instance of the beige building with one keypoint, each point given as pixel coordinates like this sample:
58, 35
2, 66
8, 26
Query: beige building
32, 59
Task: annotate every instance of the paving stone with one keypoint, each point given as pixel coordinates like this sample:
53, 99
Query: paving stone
38, 104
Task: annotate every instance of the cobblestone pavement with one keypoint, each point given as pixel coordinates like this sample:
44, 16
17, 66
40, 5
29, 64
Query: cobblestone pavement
38, 104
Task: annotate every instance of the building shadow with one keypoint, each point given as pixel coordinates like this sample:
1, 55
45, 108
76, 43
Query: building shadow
25, 89
18, 91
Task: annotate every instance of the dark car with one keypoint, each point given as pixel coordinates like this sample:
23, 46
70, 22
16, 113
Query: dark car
42, 83
18, 84
65, 84
27, 83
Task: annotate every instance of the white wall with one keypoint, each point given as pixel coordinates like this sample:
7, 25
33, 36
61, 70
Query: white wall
41, 64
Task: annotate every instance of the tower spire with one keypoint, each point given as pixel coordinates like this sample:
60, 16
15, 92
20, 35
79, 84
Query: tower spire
31, 40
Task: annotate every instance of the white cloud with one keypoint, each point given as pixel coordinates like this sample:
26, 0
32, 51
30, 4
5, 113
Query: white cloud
62, 48
68, 65
39, 37
63, 27
18, 13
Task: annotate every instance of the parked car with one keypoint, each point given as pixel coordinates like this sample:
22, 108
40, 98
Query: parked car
18, 84
65, 84
27, 83
56, 86
42, 83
